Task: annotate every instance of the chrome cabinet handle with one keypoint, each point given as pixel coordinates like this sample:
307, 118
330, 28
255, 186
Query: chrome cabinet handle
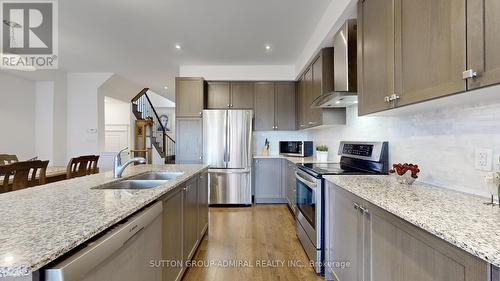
228, 105
393, 97
360, 208
356, 206
469, 73
387, 99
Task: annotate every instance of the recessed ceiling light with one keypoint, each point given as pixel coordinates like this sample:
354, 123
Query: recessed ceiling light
178, 46
337, 102
166, 87
268, 48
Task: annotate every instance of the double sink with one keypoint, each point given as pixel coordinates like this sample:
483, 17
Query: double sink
143, 181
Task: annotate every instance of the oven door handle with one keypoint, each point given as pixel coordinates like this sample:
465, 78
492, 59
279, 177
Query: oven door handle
310, 184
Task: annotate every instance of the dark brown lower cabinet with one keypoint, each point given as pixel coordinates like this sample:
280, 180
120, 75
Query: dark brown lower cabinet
379, 246
172, 234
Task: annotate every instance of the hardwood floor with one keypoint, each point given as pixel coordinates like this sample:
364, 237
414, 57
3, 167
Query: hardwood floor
255, 237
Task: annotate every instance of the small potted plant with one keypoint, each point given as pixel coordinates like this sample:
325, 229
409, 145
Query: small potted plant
322, 153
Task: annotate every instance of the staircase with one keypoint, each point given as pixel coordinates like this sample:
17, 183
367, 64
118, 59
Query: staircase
143, 109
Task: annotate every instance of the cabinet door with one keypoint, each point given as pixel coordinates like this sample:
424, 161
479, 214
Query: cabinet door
190, 210
202, 204
189, 96
264, 106
375, 54
218, 95
189, 140
345, 228
430, 50
242, 95
285, 117
400, 251
268, 187
301, 101
289, 178
308, 94
172, 233
316, 90
483, 39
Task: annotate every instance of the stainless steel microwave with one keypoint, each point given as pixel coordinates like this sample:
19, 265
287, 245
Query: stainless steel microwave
296, 148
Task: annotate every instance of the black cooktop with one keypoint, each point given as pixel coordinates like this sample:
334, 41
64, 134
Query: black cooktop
319, 169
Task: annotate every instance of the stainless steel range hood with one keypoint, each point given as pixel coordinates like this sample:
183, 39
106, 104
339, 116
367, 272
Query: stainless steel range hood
344, 68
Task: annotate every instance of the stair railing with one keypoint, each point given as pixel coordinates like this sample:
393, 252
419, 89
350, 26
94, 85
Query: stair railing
143, 109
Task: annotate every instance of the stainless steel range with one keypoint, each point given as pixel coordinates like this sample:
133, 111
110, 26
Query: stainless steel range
357, 158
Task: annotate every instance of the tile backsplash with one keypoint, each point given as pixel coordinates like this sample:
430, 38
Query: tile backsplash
442, 142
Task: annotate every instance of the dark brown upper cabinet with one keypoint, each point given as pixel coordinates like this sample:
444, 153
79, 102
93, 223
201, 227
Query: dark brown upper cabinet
317, 80
375, 55
413, 51
230, 95
285, 116
218, 95
322, 83
274, 106
430, 50
189, 96
301, 104
264, 106
242, 95
483, 39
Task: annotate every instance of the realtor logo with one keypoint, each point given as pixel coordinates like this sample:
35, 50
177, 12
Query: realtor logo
29, 34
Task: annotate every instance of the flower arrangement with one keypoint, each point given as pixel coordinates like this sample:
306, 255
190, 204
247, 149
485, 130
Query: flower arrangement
492, 182
406, 173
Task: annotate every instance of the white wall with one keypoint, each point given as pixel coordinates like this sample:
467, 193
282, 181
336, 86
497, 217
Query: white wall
116, 112
82, 112
441, 140
17, 115
117, 123
239, 72
44, 120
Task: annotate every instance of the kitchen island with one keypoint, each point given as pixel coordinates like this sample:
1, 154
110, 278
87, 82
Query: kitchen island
403, 231
41, 224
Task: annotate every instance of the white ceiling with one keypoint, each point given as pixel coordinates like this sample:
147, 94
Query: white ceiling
136, 38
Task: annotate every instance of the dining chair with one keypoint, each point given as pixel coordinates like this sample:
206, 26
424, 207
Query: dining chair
24, 174
6, 159
82, 166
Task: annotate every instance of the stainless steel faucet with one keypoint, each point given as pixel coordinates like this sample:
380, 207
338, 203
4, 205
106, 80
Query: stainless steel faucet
118, 167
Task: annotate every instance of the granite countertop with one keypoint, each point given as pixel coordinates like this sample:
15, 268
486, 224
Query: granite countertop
296, 160
40, 224
458, 218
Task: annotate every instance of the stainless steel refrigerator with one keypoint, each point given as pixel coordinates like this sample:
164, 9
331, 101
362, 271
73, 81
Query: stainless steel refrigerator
227, 149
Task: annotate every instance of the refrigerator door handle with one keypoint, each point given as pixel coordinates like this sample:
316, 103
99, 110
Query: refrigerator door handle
226, 124
228, 138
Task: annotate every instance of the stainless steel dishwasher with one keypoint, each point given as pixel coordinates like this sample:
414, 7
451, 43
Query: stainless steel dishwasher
123, 253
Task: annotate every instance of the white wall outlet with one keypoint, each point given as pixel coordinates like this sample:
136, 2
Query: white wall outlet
496, 159
483, 159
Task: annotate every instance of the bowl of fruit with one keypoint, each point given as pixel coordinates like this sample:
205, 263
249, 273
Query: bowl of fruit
405, 173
